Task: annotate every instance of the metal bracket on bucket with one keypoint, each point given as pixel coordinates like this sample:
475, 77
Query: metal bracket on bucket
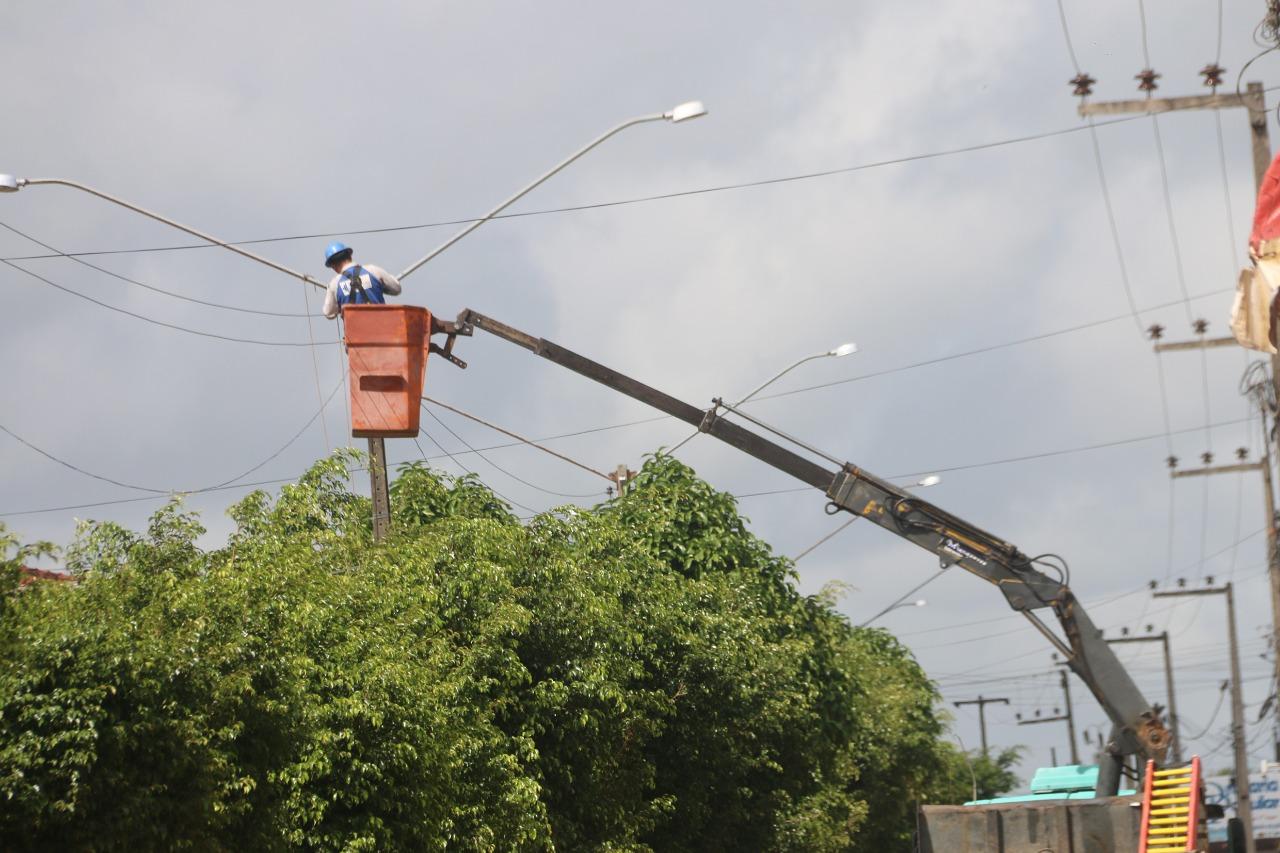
451, 330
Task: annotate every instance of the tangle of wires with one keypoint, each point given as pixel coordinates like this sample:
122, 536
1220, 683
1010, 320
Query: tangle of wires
1255, 382
1269, 29
1057, 564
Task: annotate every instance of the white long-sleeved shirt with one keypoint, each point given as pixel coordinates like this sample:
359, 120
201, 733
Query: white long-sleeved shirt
390, 286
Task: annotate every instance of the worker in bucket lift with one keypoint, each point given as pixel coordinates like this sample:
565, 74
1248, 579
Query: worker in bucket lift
354, 283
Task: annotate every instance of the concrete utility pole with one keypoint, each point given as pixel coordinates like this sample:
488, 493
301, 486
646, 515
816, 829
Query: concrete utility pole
1071, 720
1258, 391
1254, 100
982, 702
1244, 804
378, 488
1273, 547
1163, 639
1068, 717
622, 477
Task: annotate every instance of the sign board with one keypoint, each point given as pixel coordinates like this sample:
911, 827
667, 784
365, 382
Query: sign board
1264, 789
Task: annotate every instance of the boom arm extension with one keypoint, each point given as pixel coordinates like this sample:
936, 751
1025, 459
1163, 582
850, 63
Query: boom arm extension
1137, 725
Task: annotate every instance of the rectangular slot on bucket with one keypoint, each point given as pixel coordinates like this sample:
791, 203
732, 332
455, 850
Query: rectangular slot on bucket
382, 383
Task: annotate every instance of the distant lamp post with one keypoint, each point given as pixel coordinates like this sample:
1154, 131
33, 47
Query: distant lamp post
919, 602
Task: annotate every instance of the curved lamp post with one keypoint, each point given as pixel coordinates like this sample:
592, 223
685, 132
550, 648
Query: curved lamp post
919, 602
10, 184
683, 112
838, 352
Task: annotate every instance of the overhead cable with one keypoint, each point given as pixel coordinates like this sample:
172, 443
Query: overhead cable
156, 322
966, 149
160, 493
519, 438
135, 282
493, 464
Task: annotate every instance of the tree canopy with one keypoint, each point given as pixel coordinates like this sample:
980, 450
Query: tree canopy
643, 675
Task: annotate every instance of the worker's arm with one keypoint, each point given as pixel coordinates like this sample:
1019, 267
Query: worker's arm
331, 299
390, 284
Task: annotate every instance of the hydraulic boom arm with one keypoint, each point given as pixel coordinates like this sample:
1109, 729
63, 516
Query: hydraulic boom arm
1137, 726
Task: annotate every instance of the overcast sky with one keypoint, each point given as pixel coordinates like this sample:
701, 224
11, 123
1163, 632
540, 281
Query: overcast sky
275, 120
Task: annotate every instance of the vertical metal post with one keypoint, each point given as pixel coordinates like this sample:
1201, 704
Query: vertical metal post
1173, 704
982, 702
378, 488
1071, 723
1244, 805
1273, 554
1244, 802
1256, 101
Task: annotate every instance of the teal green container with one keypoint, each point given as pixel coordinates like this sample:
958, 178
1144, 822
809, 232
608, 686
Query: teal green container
1069, 782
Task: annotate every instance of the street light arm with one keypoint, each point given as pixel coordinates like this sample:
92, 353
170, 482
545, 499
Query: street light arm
167, 221
781, 374
504, 205
845, 349
902, 599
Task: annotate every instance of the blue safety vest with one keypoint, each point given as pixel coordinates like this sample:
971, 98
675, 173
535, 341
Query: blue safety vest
351, 289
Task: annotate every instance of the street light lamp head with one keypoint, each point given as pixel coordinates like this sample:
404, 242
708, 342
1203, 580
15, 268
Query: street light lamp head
919, 602
931, 480
843, 350
685, 111
9, 184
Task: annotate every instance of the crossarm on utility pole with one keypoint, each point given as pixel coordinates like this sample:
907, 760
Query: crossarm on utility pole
953, 540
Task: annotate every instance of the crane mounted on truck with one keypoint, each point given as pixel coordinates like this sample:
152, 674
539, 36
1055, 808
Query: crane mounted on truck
1137, 726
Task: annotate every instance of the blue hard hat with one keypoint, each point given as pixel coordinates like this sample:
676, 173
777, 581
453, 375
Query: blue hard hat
335, 250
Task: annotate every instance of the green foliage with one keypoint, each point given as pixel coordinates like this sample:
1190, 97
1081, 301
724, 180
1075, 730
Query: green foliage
641, 676
972, 775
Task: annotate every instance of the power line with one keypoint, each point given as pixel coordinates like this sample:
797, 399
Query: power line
152, 320
47, 455
160, 493
1011, 459
522, 440
988, 463
127, 280
1071, 51
432, 439
966, 149
798, 557
319, 414
493, 464
1142, 15
1004, 661
979, 350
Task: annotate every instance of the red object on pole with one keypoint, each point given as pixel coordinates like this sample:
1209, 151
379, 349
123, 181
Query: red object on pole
387, 357
1266, 216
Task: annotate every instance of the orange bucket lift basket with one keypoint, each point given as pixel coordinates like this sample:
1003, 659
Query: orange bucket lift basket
387, 357
387, 347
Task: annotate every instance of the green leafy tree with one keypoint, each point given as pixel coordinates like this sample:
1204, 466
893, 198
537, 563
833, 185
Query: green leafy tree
639, 676
972, 775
